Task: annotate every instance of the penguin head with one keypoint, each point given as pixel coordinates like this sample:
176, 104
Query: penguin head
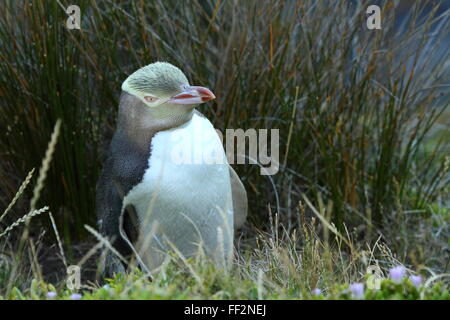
161, 85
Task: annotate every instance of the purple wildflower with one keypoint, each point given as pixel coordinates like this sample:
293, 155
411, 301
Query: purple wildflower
51, 294
416, 280
75, 296
397, 273
317, 292
357, 290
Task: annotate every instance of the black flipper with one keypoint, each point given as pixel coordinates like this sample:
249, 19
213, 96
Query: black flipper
131, 223
109, 205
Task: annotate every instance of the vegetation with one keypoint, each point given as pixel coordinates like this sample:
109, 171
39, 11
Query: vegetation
363, 119
136, 287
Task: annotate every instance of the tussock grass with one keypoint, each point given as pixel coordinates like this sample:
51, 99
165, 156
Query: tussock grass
357, 127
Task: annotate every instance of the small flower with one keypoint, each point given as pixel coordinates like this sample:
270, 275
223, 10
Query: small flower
75, 296
106, 287
51, 294
397, 273
357, 290
415, 280
316, 292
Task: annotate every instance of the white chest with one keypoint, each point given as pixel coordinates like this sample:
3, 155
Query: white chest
185, 194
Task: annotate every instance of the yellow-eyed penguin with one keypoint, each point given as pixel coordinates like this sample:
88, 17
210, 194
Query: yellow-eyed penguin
166, 184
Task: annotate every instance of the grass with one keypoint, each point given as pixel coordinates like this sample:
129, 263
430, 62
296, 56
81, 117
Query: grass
363, 119
273, 269
176, 284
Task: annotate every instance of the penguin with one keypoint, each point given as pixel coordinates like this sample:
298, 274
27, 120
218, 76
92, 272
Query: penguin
166, 184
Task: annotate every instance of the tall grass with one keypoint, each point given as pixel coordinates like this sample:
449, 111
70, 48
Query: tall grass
367, 99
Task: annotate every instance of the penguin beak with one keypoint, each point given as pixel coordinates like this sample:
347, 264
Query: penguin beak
193, 95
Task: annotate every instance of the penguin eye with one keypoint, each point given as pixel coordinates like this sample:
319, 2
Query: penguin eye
150, 99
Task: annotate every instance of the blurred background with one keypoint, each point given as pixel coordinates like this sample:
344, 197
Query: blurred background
363, 114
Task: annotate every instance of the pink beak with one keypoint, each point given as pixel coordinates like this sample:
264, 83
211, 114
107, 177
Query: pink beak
193, 95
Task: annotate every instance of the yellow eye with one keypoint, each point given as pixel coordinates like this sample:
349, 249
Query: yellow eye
150, 99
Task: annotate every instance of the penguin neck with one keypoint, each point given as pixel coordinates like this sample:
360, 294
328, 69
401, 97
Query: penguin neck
139, 123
